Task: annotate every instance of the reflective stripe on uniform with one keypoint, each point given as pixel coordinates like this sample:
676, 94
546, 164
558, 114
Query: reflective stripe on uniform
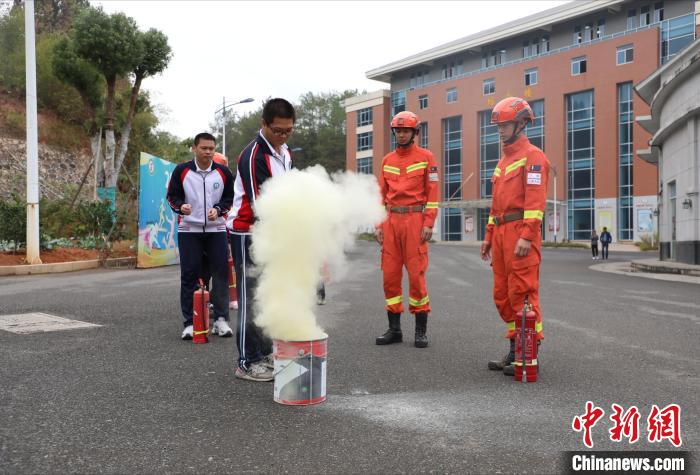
497, 172
491, 220
533, 214
416, 166
516, 165
431, 205
418, 303
393, 300
393, 170
511, 326
538, 327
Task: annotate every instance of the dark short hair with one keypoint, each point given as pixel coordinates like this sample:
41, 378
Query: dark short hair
203, 136
278, 107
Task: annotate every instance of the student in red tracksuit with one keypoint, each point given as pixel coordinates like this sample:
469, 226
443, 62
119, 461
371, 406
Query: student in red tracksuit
513, 233
408, 183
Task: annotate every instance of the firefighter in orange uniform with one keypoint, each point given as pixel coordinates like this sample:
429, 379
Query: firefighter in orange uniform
513, 234
408, 182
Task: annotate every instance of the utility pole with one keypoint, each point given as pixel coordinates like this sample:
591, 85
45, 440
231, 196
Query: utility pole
33, 256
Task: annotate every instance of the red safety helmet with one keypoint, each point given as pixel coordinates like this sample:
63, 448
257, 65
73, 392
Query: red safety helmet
220, 159
405, 119
512, 109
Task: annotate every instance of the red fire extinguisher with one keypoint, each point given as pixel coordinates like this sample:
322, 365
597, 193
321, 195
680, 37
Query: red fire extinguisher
525, 346
232, 292
200, 315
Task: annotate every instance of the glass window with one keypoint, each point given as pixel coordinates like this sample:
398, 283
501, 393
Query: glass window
625, 211
423, 101
489, 86
600, 31
364, 165
578, 66
658, 12
451, 224
625, 54
644, 16
412, 81
580, 147
364, 117
535, 130
489, 152
484, 60
531, 77
577, 35
588, 32
631, 19
526, 49
452, 95
398, 102
545, 44
676, 34
364, 141
452, 158
423, 134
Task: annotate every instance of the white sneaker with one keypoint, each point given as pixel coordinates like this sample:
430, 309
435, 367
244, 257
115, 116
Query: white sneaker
187, 333
221, 328
256, 372
268, 361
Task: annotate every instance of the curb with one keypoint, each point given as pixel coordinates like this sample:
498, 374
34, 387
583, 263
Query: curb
641, 266
625, 268
60, 267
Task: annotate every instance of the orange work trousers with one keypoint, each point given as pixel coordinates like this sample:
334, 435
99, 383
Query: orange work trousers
514, 277
403, 247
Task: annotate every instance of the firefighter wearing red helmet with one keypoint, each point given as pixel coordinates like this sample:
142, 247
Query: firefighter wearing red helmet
408, 182
513, 234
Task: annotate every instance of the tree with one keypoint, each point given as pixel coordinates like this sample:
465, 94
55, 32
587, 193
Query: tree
86, 79
111, 44
155, 58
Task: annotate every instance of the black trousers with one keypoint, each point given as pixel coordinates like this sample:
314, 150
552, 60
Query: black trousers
594, 249
193, 247
252, 344
605, 251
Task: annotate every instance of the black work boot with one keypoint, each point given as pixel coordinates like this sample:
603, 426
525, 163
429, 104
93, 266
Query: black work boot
393, 334
421, 328
506, 361
510, 369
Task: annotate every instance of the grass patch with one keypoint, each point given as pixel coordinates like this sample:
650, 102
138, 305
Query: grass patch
566, 244
648, 243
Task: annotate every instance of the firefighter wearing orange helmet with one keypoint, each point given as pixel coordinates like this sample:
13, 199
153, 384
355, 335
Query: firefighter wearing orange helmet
513, 234
408, 182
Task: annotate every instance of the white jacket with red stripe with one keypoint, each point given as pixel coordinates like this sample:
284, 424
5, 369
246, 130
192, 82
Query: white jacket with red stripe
256, 164
203, 189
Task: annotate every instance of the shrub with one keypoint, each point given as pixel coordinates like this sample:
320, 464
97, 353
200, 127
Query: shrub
648, 243
13, 216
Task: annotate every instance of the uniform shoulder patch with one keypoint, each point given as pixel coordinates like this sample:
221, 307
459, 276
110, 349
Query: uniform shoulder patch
433, 169
535, 168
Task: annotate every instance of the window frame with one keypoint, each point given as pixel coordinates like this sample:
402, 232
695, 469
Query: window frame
627, 52
491, 82
451, 95
423, 101
582, 62
529, 73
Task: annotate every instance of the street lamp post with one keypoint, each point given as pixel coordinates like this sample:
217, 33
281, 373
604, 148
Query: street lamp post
224, 105
32, 138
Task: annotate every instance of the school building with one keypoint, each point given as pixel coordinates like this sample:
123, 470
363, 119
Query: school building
576, 65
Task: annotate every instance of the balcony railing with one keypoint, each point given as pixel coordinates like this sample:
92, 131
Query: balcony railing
664, 25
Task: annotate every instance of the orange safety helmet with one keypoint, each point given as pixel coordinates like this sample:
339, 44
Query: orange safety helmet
220, 159
512, 109
405, 119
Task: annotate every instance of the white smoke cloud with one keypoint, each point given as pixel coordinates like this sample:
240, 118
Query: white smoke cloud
307, 220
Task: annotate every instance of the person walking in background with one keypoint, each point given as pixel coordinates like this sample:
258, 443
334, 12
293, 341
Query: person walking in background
265, 157
594, 245
605, 240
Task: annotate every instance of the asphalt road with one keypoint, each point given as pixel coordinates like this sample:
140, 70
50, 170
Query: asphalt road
131, 397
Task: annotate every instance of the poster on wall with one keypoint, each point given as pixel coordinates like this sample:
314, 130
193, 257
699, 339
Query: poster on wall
157, 245
644, 221
469, 224
605, 221
550, 220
